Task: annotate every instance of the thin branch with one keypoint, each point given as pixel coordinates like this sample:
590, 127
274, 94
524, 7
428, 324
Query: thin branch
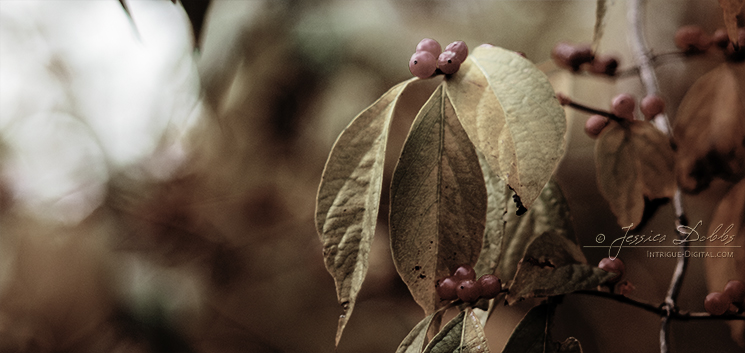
565, 100
643, 57
659, 310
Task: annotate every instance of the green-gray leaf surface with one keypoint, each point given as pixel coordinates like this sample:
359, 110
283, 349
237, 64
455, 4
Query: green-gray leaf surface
449, 338
349, 197
511, 114
414, 341
438, 201
532, 334
553, 265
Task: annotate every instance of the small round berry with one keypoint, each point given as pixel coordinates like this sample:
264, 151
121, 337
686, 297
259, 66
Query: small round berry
460, 49
464, 272
486, 45
595, 125
720, 38
490, 285
717, 303
468, 291
623, 106
692, 38
448, 62
429, 45
446, 288
571, 56
604, 65
735, 290
613, 265
652, 105
422, 64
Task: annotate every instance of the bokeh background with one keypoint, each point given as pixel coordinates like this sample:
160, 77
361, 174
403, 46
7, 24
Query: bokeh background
157, 184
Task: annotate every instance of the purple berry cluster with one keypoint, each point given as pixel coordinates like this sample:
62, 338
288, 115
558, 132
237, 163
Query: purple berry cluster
429, 58
462, 284
729, 301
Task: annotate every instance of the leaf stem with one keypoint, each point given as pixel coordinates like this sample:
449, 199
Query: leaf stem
643, 58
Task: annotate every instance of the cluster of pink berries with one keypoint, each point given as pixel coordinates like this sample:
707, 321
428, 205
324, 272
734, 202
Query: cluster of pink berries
692, 39
580, 56
729, 301
429, 58
623, 106
462, 284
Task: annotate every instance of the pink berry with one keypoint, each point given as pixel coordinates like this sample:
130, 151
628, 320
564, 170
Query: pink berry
422, 64
735, 290
595, 125
490, 285
448, 62
571, 56
652, 105
623, 106
464, 272
692, 39
446, 288
460, 49
468, 291
613, 265
604, 65
717, 303
720, 38
429, 45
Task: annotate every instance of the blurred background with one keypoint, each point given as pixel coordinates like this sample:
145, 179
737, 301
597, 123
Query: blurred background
158, 173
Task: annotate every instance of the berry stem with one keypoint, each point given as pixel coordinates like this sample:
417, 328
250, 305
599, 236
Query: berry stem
565, 100
643, 58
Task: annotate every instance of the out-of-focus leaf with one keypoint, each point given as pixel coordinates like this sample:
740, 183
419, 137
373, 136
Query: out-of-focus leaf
510, 112
498, 202
532, 334
449, 338
730, 9
550, 212
196, 10
710, 129
633, 161
414, 341
349, 196
438, 201
553, 265
728, 223
597, 34
473, 339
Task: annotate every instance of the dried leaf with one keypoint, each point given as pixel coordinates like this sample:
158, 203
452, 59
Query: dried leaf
414, 341
553, 265
710, 129
728, 229
532, 334
633, 161
349, 196
549, 212
498, 202
510, 112
600, 9
438, 201
473, 339
730, 10
449, 338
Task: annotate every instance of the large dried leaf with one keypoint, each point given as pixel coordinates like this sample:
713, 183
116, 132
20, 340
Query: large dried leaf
438, 201
553, 265
532, 334
633, 161
473, 339
498, 203
549, 212
349, 196
728, 223
730, 10
415, 340
449, 338
710, 129
510, 112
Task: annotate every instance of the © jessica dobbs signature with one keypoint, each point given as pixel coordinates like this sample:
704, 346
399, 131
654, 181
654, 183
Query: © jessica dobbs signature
687, 235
